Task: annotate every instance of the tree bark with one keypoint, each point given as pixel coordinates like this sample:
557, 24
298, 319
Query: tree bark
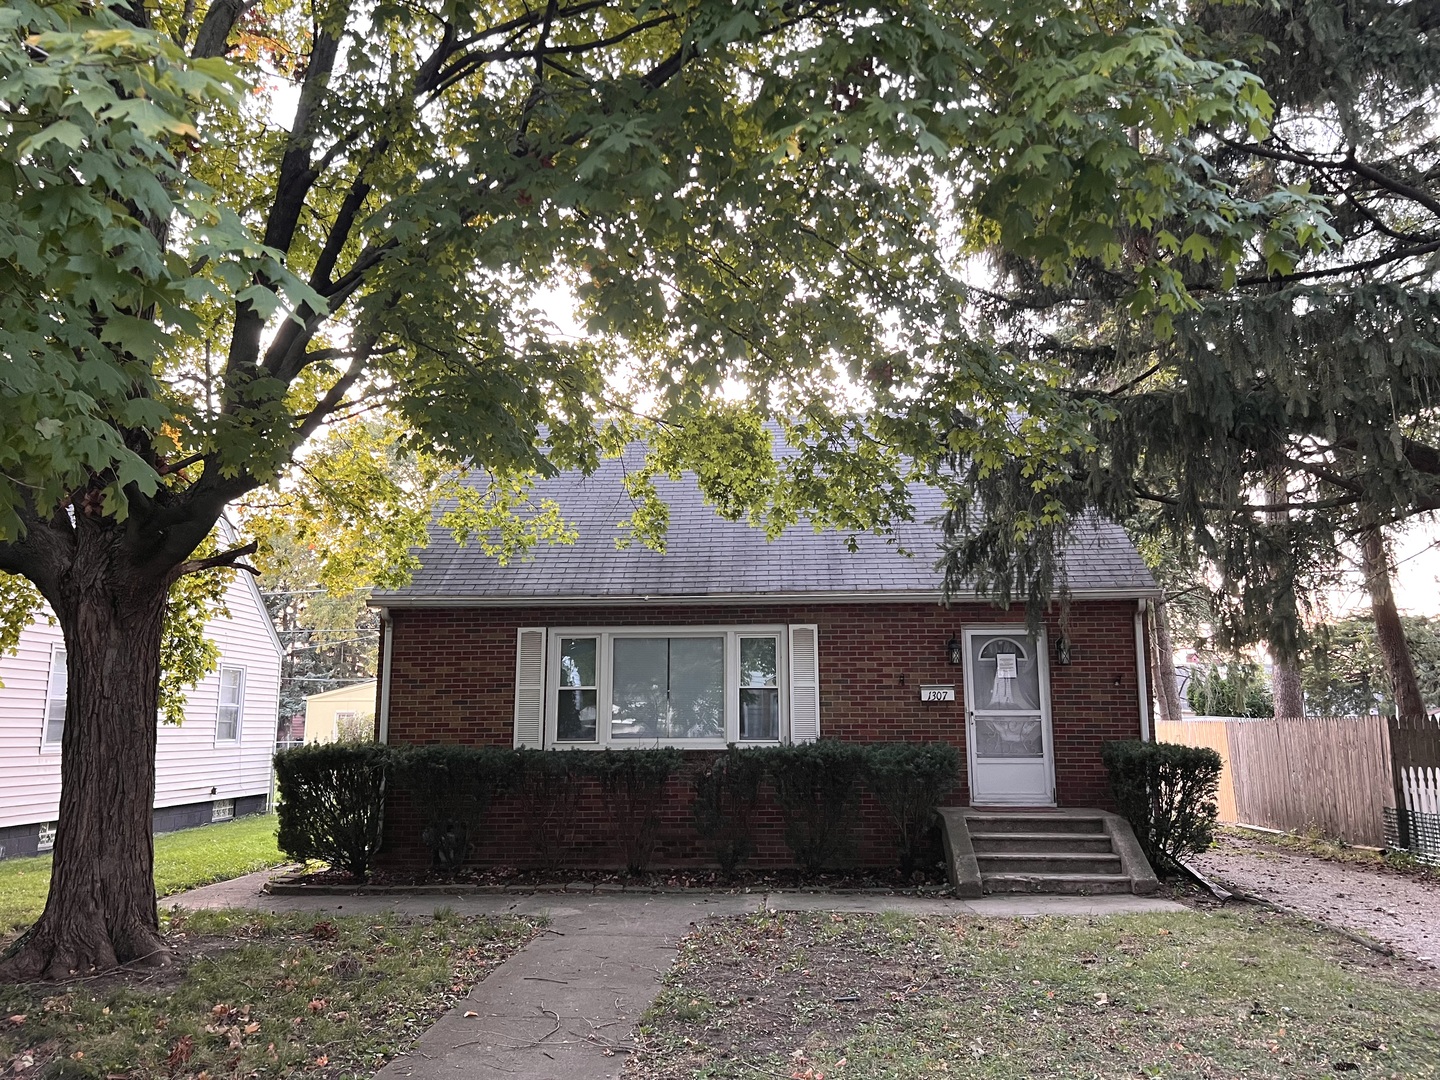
101, 908
1389, 633
1286, 687
1167, 692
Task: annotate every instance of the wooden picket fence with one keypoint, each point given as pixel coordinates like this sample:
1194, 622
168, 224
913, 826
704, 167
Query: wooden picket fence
1326, 774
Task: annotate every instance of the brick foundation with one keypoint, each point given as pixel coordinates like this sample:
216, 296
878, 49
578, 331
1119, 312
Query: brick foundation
452, 680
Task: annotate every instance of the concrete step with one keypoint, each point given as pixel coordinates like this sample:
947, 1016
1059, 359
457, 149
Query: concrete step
1039, 841
1074, 884
994, 821
1048, 863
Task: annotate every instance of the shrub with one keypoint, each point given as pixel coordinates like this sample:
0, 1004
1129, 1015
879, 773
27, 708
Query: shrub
549, 782
817, 786
635, 782
1167, 793
332, 798
726, 791
452, 787
910, 780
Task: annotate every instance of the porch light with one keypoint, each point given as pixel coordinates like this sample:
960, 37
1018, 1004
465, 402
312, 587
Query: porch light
1062, 650
954, 651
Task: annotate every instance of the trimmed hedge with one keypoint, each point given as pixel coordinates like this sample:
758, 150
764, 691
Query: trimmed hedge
727, 790
818, 787
1167, 793
332, 797
911, 780
452, 786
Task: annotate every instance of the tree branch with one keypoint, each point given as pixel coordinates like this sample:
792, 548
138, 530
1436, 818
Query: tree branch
210, 562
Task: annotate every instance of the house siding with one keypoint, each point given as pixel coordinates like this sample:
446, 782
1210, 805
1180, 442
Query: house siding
452, 680
191, 769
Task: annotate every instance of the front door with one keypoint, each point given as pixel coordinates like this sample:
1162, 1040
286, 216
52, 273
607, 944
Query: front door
1007, 699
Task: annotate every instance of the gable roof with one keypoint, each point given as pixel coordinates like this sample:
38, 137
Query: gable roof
713, 560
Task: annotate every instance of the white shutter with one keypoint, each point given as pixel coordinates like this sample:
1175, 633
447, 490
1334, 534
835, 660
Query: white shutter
804, 684
530, 687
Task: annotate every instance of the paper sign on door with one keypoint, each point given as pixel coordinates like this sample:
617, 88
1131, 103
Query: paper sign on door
1005, 665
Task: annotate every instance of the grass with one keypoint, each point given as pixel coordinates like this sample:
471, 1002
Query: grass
257, 996
1179, 996
183, 860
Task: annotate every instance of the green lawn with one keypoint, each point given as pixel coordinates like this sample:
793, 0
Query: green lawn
1190, 996
183, 860
258, 997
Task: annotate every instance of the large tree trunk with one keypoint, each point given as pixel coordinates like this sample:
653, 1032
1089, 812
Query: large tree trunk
1286, 686
101, 907
1169, 693
1389, 633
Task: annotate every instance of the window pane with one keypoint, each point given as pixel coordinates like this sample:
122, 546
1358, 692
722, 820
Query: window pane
697, 688
1006, 673
759, 714
575, 721
57, 676
577, 661
1000, 737
55, 721
668, 688
757, 661
231, 680
640, 707
227, 722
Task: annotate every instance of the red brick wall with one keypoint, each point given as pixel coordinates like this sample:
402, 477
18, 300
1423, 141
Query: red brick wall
453, 675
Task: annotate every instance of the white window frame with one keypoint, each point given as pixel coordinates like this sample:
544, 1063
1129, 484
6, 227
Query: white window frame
222, 810
220, 704
57, 659
45, 837
605, 673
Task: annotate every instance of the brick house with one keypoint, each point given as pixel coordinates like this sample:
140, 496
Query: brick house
729, 638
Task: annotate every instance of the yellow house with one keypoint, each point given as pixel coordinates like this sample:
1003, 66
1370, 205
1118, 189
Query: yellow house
344, 713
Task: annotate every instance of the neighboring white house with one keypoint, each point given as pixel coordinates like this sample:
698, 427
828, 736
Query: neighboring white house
213, 767
344, 713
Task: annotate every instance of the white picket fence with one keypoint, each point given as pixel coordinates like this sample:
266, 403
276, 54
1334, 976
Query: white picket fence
1422, 790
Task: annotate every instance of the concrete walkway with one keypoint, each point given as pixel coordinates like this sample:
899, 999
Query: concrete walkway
564, 1006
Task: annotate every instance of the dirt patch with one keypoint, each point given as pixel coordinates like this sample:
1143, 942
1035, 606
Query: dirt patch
1398, 910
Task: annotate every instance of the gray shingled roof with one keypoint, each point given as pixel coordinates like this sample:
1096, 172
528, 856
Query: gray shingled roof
708, 557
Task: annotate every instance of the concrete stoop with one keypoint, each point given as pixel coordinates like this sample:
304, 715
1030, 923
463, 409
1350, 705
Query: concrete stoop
1079, 852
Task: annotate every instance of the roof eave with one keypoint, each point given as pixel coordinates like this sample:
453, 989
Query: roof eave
393, 601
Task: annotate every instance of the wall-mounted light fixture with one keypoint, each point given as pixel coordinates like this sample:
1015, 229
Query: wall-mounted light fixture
1062, 651
954, 652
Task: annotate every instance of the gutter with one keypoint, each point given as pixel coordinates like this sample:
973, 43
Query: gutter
918, 596
387, 638
1142, 688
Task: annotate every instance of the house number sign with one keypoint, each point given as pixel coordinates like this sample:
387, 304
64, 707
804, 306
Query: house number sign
937, 693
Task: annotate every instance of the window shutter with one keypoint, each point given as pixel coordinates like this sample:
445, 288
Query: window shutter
804, 684
530, 687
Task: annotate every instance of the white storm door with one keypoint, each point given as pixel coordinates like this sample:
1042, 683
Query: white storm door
1007, 700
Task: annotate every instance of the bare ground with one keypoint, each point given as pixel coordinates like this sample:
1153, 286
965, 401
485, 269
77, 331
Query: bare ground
1398, 910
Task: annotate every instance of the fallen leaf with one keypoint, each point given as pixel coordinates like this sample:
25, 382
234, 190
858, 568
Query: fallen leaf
18, 1019
469, 1014
180, 1053
322, 1060
251, 1028
318, 1004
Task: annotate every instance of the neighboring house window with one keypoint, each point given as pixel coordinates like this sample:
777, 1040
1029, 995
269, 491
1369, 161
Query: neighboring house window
222, 810
692, 687
232, 694
55, 697
45, 840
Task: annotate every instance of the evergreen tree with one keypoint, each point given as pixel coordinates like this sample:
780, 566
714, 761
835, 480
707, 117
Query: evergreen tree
1292, 409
